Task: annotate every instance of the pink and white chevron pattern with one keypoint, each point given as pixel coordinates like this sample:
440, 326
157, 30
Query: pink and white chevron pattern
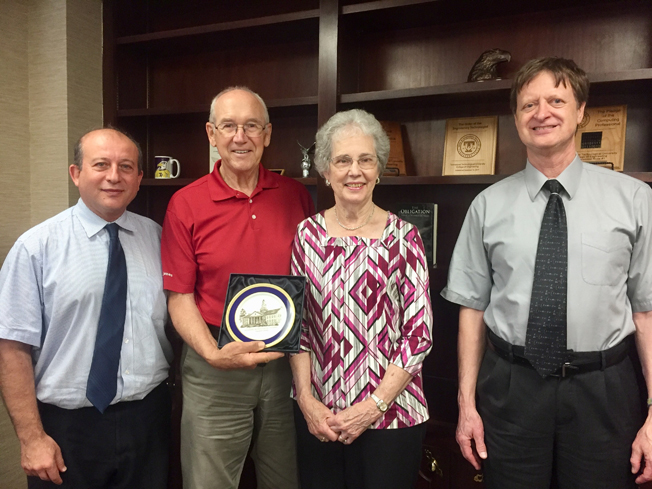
367, 305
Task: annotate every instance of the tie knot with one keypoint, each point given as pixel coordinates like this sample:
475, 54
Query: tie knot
554, 186
112, 228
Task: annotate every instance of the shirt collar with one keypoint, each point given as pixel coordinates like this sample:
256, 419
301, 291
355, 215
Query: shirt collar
93, 224
219, 190
569, 178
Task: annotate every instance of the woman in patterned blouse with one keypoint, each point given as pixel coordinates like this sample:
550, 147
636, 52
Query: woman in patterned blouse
360, 408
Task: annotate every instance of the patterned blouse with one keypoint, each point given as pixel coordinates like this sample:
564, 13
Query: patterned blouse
367, 305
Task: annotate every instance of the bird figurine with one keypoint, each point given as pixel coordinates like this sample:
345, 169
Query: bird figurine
485, 67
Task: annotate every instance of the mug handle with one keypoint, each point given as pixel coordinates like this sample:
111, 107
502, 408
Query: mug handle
172, 160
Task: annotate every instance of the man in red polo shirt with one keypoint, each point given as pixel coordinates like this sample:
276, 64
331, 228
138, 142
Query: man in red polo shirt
241, 218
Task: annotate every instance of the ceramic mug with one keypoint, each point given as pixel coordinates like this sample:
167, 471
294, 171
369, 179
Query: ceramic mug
164, 167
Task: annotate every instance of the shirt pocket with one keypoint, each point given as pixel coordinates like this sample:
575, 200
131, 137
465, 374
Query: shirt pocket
605, 258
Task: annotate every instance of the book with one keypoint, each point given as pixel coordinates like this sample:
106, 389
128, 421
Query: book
424, 217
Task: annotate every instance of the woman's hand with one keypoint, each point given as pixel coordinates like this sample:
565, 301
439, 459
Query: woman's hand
354, 420
317, 417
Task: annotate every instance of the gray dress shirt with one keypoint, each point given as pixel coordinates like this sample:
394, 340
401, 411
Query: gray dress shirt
51, 288
609, 219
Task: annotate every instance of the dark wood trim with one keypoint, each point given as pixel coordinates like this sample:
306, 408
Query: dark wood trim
221, 27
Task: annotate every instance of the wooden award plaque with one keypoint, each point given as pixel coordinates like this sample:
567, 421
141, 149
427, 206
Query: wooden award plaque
470, 146
600, 137
396, 161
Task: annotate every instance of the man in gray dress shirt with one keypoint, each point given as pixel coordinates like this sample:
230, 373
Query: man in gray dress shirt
581, 424
52, 286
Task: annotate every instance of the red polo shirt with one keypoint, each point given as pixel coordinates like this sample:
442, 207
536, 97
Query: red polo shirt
211, 230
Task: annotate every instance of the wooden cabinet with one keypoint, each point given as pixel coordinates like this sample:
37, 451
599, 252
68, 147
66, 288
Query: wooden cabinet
403, 60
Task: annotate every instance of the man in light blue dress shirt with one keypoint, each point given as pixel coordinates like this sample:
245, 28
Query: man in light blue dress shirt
580, 425
51, 289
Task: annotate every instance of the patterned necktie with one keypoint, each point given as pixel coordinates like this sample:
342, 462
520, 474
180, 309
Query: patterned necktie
103, 377
545, 342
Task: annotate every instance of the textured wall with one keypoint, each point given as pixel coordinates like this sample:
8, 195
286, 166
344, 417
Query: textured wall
14, 124
50, 93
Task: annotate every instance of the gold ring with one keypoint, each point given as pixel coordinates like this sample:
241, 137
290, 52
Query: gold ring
322, 439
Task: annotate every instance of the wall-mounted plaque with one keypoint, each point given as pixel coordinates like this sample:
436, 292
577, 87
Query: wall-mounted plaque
265, 308
600, 137
470, 146
396, 160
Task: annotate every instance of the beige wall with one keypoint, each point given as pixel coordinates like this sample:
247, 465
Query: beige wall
50, 93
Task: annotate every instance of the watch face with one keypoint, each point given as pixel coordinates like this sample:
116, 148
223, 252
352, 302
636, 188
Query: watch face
382, 406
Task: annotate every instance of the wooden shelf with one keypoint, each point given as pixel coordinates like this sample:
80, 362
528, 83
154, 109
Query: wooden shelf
182, 182
272, 104
600, 82
271, 20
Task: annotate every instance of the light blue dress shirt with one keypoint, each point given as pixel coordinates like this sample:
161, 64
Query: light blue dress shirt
609, 218
51, 288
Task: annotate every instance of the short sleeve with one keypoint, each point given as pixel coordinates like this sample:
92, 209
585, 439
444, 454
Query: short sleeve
639, 280
21, 316
469, 276
178, 251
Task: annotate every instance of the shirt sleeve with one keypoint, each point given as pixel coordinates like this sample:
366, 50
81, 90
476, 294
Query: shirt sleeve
416, 308
298, 267
639, 281
21, 301
469, 275
178, 252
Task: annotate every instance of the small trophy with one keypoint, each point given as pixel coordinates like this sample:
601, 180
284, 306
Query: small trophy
305, 162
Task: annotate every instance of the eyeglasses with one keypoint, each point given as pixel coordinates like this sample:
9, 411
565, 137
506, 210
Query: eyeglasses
251, 129
365, 162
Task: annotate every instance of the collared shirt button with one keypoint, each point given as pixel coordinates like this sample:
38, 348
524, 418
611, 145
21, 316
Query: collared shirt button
253, 216
251, 201
127, 340
127, 372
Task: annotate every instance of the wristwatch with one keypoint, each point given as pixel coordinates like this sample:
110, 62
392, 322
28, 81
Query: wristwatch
380, 404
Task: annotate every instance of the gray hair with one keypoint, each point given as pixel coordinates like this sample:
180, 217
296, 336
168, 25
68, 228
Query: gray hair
349, 121
211, 115
78, 151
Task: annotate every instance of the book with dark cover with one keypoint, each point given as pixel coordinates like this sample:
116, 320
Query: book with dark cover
424, 217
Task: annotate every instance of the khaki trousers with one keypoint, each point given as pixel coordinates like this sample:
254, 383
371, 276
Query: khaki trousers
227, 412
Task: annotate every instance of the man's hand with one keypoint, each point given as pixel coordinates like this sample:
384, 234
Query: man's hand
236, 355
642, 452
41, 457
470, 430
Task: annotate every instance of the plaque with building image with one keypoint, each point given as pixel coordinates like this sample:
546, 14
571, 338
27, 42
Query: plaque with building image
600, 137
264, 308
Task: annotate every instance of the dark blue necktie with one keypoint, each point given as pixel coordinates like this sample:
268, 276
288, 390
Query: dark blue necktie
103, 377
545, 341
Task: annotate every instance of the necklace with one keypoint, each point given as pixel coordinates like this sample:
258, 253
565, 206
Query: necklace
357, 227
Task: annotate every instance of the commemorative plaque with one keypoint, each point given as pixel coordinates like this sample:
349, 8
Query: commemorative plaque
265, 308
396, 161
600, 137
470, 146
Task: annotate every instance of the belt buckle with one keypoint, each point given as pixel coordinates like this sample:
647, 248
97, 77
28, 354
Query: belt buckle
567, 365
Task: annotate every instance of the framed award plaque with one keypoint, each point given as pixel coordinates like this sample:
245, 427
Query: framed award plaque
265, 308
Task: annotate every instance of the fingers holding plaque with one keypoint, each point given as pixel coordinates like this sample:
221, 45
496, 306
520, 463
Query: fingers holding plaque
265, 308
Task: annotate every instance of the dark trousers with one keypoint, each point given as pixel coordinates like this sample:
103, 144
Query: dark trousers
377, 459
124, 448
577, 430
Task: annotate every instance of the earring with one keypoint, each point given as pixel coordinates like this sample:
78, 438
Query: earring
328, 184
377, 180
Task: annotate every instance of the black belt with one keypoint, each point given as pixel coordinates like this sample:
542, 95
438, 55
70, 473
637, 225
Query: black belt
577, 362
